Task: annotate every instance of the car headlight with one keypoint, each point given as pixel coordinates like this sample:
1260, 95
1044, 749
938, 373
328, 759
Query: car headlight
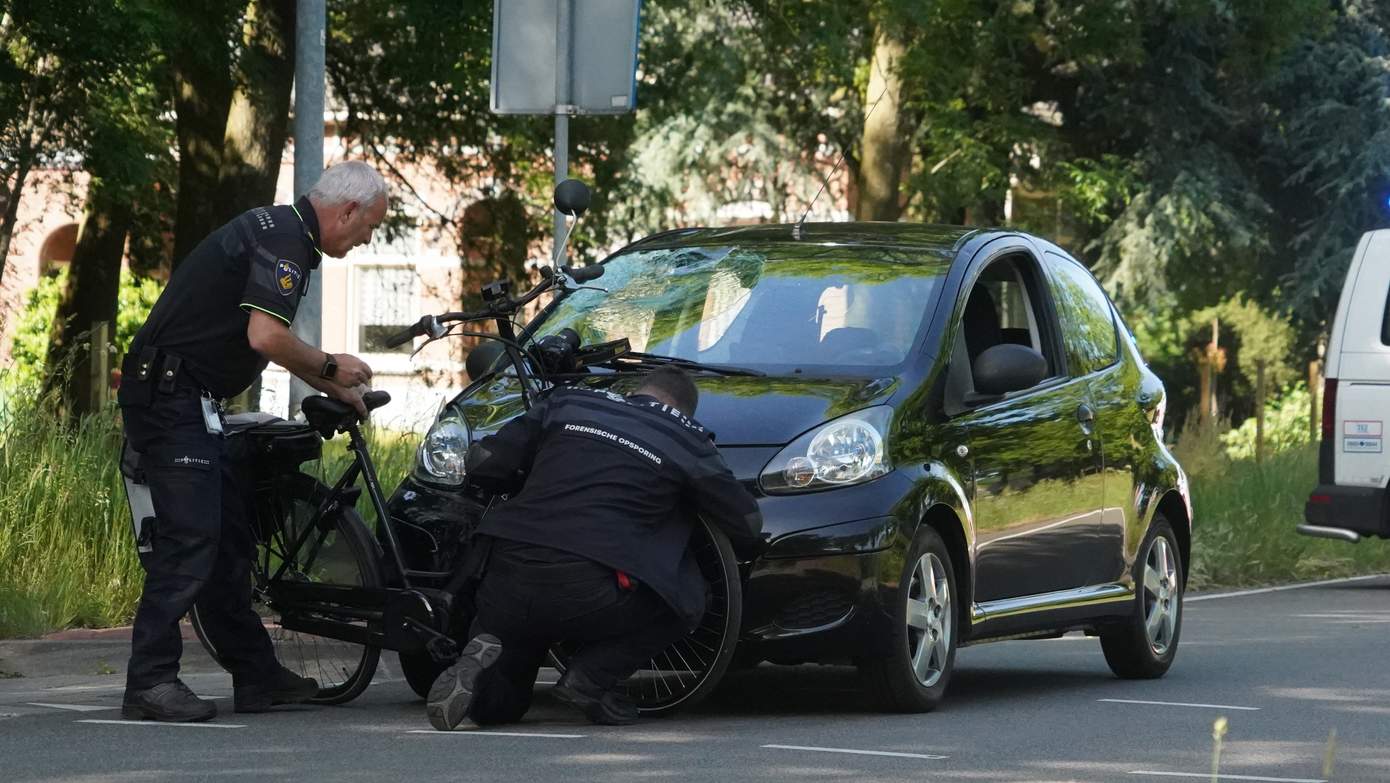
849, 450
442, 452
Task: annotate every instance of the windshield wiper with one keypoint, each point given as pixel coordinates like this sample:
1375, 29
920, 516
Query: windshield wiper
637, 359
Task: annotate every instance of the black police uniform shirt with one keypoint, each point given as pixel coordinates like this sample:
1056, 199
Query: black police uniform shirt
260, 260
616, 480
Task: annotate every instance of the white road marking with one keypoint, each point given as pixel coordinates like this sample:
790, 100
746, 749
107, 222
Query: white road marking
63, 688
496, 734
1224, 776
1257, 591
73, 707
163, 723
858, 752
1181, 704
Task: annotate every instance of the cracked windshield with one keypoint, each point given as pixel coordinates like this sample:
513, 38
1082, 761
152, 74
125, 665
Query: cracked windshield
774, 308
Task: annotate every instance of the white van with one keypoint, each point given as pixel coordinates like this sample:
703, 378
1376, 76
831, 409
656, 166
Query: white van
1353, 464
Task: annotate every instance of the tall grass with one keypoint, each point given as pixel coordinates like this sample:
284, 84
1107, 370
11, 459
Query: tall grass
1245, 514
66, 554
67, 558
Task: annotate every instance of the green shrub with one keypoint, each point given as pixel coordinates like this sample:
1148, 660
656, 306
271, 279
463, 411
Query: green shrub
1286, 426
29, 350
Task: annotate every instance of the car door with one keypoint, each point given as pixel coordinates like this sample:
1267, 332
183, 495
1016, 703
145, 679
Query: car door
1035, 466
1092, 341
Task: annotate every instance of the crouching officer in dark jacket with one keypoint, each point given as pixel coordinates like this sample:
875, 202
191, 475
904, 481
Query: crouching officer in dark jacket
226, 311
593, 548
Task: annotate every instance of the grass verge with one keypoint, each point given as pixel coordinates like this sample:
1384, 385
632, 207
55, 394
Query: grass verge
1244, 536
67, 558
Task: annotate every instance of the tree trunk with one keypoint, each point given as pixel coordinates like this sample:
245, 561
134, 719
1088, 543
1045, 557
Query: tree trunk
92, 290
884, 146
11, 214
202, 99
258, 121
24, 161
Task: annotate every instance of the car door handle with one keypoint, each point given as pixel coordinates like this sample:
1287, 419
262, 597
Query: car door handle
1086, 417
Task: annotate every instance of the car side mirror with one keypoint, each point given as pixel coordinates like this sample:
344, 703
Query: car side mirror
1008, 368
482, 358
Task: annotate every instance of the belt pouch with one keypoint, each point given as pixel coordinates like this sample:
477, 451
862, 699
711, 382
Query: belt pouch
169, 374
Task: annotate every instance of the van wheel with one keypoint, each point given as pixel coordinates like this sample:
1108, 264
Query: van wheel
1143, 647
914, 675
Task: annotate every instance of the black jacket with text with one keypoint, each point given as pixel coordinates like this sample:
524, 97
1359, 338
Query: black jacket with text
617, 480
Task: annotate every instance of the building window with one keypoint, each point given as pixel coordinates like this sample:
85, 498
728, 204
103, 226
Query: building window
385, 303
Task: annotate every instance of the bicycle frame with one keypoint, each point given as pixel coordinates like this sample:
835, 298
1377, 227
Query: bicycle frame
408, 614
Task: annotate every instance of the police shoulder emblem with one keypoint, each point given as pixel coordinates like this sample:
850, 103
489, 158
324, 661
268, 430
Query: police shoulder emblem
287, 277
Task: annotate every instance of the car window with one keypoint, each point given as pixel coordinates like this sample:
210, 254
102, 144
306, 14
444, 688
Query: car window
1088, 328
778, 308
1003, 307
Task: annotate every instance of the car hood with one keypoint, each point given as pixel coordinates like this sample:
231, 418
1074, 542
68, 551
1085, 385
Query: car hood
740, 411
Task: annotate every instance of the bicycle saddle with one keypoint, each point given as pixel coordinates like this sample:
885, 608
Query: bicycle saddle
327, 416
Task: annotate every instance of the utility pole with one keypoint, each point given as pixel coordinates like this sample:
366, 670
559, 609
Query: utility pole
310, 29
564, 63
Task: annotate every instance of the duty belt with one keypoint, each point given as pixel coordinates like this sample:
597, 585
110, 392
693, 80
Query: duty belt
164, 369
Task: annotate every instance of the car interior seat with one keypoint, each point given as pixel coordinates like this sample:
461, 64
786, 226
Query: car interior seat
980, 322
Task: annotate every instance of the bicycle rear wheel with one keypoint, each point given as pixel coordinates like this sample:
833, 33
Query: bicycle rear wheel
347, 556
685, 673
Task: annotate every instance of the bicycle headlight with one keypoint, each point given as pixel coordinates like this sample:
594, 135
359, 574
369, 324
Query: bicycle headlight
849, 450
442, 452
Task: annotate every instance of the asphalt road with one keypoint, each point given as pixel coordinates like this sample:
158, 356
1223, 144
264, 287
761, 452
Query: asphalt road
1284, 668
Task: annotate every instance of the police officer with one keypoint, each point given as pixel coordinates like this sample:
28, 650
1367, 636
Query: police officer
592, 549
225, 313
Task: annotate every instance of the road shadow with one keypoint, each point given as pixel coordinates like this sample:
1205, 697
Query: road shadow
825, 690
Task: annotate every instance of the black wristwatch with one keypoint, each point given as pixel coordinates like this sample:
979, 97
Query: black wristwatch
330, 366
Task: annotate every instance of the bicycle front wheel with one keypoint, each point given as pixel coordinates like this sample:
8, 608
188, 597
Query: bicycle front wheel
345, 555
685, 673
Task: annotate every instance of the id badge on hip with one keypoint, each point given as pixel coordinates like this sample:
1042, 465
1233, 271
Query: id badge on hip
212, 414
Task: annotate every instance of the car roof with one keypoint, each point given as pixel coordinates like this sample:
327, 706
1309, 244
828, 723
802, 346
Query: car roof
945, 240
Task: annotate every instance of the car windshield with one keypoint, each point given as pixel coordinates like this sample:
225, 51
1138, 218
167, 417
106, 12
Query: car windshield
778, 309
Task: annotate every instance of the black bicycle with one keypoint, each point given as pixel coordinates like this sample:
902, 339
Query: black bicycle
333, 593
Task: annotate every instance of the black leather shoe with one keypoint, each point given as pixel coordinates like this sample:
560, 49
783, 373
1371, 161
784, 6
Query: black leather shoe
452, 692
285, 687
171, 702
609, 708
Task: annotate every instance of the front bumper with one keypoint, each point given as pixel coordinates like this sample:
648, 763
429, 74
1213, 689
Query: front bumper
1357, 509
816, 594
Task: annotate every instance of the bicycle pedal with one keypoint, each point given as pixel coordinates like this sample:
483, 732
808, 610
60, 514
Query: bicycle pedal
442, 649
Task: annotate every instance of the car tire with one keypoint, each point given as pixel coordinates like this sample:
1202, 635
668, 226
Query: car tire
1144, 645
914, 675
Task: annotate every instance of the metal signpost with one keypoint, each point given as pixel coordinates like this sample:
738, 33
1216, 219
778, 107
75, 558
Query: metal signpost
592, 71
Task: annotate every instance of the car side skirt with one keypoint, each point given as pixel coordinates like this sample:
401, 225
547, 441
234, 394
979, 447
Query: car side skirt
1064, 608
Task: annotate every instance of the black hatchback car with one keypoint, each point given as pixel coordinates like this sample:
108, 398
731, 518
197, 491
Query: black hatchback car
951, 434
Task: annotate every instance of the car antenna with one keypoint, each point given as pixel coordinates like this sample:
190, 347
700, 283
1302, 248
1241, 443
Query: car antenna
796, 229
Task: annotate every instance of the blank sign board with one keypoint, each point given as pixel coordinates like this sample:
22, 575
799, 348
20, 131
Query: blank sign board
527, 44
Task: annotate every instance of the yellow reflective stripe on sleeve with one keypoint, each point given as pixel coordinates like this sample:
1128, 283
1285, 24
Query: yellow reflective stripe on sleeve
245, 305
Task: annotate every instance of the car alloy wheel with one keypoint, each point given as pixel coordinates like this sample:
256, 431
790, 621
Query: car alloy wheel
1143, 645
913, 670
929, 619
1162, 596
